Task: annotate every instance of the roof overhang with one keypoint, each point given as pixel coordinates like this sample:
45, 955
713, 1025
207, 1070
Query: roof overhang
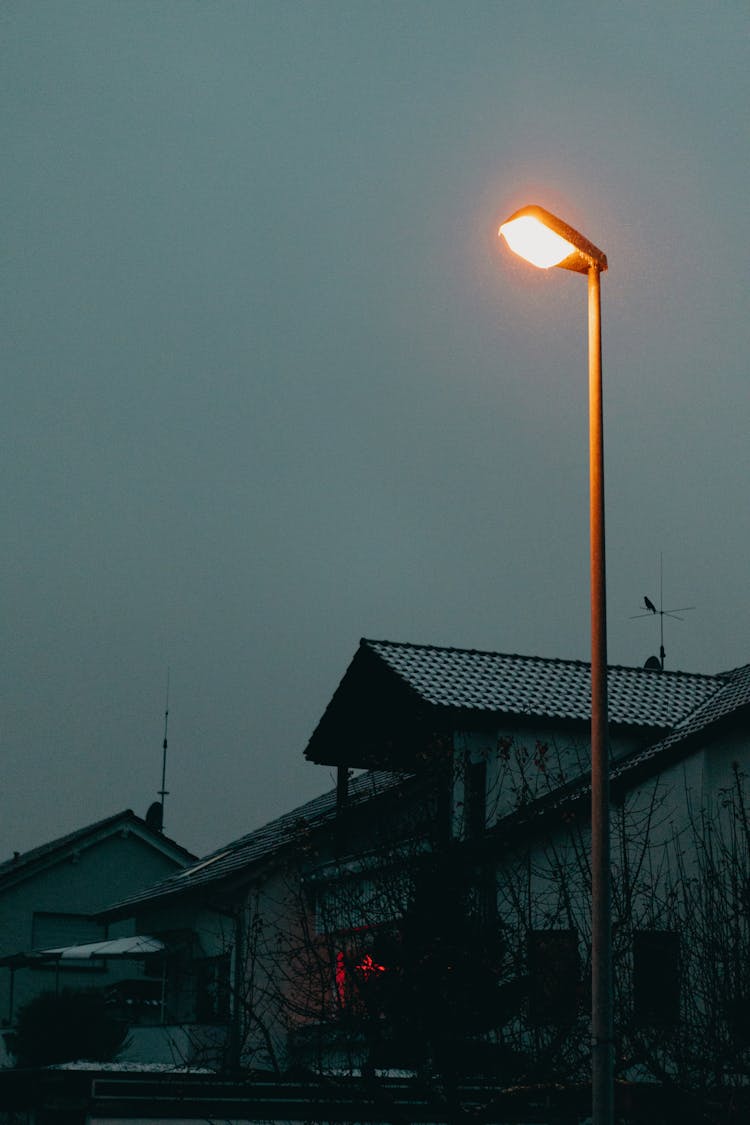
374, 719
129, 947
133, 948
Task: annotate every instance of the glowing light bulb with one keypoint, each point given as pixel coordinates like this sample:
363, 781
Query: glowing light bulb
532, 240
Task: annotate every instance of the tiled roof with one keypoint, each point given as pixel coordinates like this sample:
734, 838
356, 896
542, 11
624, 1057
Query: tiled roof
239, 856
732, 696
535, 686
24, 862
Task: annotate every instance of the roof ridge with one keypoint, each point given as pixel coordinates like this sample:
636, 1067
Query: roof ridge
471, 651
22, 860
733, 673
572, 662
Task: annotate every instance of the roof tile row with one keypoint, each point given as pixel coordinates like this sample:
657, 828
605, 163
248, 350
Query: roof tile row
466, 679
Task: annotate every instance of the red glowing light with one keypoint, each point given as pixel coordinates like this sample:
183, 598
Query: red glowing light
367, 966
365, 970
341, 977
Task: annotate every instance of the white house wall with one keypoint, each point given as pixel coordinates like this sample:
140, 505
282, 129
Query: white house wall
269, 917
663, 878
525, 763
730, 747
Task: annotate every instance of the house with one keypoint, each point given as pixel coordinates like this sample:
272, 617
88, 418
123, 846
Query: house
516, 798
50, 897
469, 820
231, 927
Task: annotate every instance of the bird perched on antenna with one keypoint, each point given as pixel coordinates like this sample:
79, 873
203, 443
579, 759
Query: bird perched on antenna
649, 604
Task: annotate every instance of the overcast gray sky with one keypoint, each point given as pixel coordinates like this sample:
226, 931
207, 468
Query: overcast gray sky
269, 383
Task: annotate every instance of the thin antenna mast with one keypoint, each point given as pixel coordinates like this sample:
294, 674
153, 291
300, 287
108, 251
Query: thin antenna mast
651, 611
163, 792
662, 653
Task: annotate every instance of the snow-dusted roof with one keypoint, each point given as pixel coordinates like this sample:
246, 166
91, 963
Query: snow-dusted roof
126, 947
729, 704
504, 683
732, 697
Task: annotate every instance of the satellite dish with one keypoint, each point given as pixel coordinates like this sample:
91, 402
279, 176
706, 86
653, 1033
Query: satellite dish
653, 664
154, 817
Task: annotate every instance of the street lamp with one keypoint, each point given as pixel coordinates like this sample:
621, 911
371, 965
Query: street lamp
545, 241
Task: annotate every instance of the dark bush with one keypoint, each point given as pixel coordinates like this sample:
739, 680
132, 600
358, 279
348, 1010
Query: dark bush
71, 1025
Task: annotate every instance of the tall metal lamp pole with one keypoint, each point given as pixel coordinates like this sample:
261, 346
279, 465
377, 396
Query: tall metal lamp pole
544, 240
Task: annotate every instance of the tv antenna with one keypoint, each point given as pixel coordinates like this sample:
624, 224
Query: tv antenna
657, 662
155, 814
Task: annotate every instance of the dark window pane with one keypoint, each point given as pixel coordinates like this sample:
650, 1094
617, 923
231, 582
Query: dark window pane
475, 799
656, 978
555, 972
212, 989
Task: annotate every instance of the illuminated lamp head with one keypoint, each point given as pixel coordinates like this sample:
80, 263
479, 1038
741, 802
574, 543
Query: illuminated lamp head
541, 238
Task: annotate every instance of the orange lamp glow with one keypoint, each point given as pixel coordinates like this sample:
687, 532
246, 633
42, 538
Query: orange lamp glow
532, 240
541, 238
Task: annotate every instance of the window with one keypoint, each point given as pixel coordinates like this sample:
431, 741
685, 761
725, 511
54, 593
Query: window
656, 978
444, 807
139, 1001
359, 980
212, 989
554, 976
475, 799
361, 902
